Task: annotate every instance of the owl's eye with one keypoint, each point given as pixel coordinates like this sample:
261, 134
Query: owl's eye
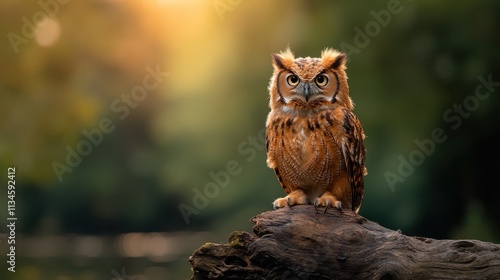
292, 80
321, 80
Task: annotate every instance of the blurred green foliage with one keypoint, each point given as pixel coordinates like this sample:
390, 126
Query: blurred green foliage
406, 70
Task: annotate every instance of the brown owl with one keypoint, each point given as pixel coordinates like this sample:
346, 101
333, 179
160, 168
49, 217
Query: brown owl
314, 141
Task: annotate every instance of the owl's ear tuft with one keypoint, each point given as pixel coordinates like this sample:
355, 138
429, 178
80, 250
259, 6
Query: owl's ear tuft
333, 59
283, 60
277, 61
340, 61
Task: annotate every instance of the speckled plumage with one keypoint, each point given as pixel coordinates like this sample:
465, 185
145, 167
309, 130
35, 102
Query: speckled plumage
314, 141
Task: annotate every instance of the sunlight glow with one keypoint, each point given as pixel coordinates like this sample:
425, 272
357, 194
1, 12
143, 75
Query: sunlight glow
48, 32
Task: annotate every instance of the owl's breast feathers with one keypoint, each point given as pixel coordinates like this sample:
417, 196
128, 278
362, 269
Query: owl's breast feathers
318, 153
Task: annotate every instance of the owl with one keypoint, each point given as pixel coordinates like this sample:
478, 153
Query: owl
314, 141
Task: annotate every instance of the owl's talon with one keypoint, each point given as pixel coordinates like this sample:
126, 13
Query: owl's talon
327, 204
339, 206
315, 203
328, 200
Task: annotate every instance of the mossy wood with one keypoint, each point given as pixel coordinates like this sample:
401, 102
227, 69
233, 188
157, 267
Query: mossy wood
299, 243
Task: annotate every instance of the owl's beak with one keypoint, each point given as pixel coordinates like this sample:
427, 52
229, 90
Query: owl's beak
307, 87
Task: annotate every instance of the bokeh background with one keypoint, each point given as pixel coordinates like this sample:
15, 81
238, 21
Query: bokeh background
67, 66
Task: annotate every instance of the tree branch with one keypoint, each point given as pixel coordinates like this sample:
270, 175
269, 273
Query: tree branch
299, 243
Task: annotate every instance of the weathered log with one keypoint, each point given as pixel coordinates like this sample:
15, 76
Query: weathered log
300, 243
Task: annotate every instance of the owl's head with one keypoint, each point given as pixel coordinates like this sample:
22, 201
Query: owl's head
308, 83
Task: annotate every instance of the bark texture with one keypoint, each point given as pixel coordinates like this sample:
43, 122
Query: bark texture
299, 243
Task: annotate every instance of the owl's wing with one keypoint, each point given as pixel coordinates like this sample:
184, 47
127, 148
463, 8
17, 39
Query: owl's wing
275, 147
271, 162
353, 151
